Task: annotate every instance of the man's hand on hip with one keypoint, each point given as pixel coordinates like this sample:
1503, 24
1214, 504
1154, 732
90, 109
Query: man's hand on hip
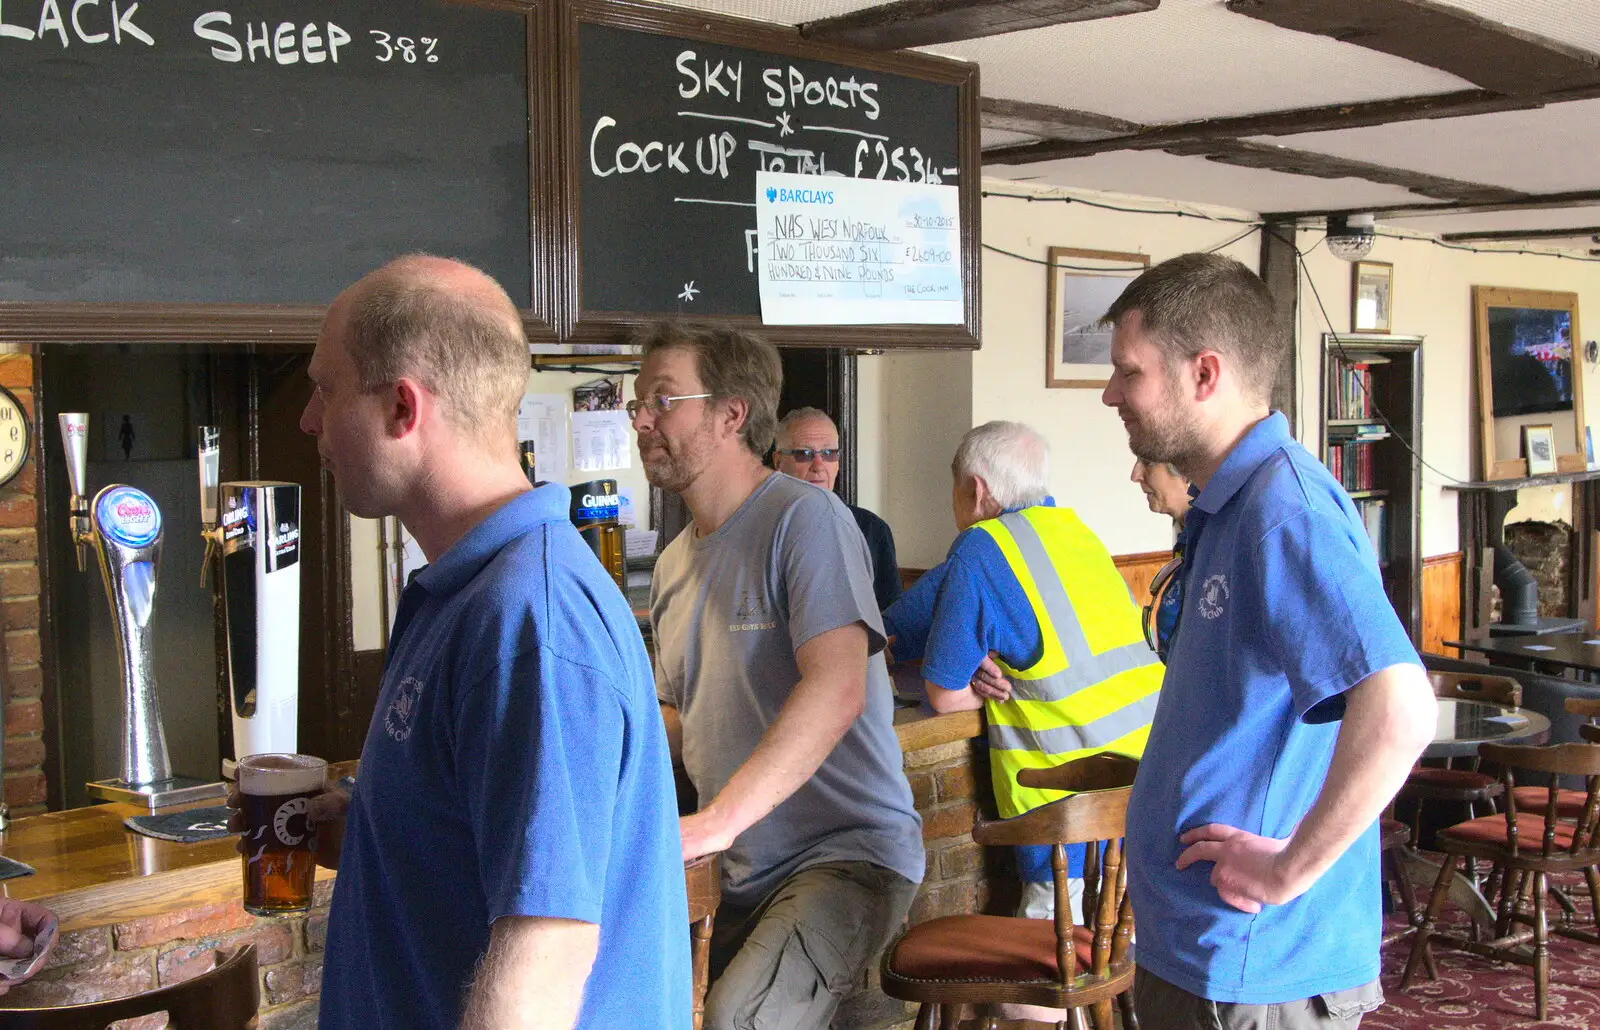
1246, 869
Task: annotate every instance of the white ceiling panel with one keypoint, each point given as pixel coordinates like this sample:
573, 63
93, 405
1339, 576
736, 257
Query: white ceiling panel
1549, 150
1499, 221
1186, 60
1573, 22
1004, 138
1196, 180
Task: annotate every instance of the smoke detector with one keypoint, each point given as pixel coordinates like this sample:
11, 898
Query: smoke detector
1351, 236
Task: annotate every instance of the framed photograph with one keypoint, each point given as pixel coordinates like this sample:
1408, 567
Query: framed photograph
1083, 284
1539, 446
1371, 291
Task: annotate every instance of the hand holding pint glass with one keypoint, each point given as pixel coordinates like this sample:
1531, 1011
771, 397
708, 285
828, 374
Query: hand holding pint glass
279, 844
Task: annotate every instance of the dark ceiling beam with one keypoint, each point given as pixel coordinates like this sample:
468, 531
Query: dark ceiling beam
1051, 122
1494, 56
1523, 234
910, 23
1322, 166
1530, 202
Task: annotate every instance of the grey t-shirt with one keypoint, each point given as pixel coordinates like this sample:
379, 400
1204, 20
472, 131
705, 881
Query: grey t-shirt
729, 611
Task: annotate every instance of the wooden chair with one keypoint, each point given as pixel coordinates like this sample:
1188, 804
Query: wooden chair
1523, 845
1461, 785
1569, 803
952, 961
1394, 835
703, 879
226, 998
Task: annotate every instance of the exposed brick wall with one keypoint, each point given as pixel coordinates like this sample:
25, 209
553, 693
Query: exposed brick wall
127, 958
949, 785
24, 782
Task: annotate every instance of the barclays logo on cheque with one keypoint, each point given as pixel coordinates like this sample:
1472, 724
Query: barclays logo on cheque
778, 195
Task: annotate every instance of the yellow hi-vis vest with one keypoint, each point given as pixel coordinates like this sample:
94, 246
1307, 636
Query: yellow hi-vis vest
1095, 685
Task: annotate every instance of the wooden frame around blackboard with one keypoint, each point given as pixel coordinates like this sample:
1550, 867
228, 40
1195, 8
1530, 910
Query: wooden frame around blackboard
584, 326
29, 323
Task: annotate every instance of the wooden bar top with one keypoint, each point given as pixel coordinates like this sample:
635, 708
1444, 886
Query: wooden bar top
92, 870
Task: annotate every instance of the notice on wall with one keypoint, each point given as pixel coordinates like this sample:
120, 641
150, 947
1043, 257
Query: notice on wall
601, 440
541, 420
838, 251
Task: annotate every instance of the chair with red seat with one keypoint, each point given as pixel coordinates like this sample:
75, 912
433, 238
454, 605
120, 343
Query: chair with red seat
1569, 803
1522, 845
951, 961
1465, 786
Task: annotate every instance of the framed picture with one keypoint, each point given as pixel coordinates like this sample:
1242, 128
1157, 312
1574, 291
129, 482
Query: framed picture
1371, 291
1539, 445
1588, 447
1083, 284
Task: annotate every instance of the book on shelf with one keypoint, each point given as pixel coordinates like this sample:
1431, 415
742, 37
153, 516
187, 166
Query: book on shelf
1352, 464
1374, 514
1351, 395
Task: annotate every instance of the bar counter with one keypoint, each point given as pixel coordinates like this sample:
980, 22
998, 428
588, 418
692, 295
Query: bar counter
137, 912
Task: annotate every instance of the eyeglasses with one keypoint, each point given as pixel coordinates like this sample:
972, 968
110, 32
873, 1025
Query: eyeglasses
1167, 579
658, 405
804, 454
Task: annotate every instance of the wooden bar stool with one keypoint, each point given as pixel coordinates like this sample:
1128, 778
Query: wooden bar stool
226, 998
703, 879
951, 961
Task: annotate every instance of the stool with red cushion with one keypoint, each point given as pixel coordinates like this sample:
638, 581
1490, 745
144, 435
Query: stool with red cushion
952, 961
1523, 845
1464, 786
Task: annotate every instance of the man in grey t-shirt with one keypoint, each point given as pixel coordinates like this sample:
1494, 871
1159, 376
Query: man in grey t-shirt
771, 678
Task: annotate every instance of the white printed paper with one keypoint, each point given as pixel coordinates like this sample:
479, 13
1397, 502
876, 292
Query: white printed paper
839, 251
540, 419
1537, 647
600, 440
626, 515
640, 542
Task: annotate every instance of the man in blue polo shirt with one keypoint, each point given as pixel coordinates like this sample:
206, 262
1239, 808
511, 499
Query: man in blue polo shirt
1294, 702
511, 853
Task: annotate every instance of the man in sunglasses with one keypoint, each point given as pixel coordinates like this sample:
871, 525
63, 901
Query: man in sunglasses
808, 449
1294, 703
1029, 583
771, 680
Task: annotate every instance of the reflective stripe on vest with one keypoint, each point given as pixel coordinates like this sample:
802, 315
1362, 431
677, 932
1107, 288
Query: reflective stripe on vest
1072, 701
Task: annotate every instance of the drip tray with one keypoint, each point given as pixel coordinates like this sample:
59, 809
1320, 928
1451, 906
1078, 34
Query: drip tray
177, 790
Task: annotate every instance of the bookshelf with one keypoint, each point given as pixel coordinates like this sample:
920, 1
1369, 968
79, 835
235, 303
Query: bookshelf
1371, 415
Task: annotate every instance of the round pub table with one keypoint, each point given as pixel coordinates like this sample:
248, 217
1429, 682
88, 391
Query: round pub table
1463, 725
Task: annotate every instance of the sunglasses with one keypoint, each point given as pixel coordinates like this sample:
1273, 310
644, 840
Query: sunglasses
1166, 579
805, 454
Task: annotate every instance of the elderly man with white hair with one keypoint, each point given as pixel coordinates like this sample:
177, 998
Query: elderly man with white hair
1030, 584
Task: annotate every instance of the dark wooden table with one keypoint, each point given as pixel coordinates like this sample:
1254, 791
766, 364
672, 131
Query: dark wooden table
1575, 649
1463, 725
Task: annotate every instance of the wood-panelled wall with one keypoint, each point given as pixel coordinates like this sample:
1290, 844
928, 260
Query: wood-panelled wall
1441, 602
1441, 591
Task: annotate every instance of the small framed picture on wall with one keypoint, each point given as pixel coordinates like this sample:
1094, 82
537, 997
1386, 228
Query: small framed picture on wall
1083, 284
1539, 446
1371, 295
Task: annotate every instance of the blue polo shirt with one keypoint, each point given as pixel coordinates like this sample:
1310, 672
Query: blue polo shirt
953, 616
1283, 611
516, 765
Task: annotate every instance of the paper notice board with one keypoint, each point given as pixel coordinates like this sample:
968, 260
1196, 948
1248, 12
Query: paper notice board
839, 251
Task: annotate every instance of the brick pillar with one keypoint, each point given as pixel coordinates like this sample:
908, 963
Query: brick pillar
19, 605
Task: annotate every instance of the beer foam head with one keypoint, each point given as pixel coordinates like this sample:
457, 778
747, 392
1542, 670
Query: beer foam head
281, 774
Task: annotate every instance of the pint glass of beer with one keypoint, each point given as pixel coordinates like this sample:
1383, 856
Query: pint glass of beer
279, 841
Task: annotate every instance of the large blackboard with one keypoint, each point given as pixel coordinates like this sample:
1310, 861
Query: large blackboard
671, 132
167, 159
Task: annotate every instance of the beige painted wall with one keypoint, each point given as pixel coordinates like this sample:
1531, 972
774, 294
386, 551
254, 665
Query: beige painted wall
921, 403
1433, 298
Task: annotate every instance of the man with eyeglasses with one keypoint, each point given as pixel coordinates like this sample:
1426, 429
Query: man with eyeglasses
1294, 703
1029, 583
808, 449
772, 683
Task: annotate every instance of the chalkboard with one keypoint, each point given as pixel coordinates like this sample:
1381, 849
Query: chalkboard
271, 152
671, 130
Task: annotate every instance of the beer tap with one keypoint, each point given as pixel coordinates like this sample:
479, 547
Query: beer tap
209, 453
75, 438
124, 526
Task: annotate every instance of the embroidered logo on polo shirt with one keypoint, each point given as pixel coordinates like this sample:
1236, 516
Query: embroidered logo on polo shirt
402, 713
1213, 596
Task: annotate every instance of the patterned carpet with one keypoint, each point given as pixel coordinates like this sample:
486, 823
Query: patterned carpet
1475, 993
